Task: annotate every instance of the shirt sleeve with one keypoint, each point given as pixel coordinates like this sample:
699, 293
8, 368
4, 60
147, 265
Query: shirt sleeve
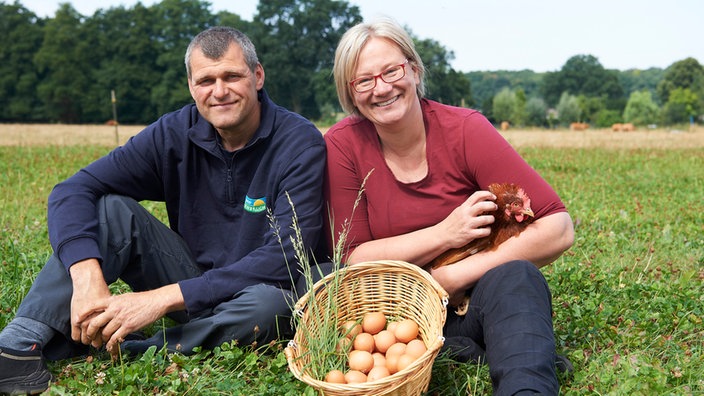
491, 159
129, 170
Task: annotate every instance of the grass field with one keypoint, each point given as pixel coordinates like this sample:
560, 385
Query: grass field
628, 297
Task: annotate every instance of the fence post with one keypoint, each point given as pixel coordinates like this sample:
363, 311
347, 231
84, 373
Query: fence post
114, 116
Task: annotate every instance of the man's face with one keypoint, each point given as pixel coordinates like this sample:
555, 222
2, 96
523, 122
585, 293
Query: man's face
225, 90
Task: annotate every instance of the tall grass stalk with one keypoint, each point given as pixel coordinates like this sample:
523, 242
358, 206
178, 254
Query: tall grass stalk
322, 337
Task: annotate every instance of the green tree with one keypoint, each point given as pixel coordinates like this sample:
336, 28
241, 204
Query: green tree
568, 109
641, 109
486, 84
687, 73
519, 111
63, 61
443, 83
681, 105
127, 64
605, 118
638, 80
584, 75
504, 106
176, 23
21, 32
296, 40
589, 107
536, 112
225, 18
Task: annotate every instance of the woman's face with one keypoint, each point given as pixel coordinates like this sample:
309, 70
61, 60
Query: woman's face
387, 103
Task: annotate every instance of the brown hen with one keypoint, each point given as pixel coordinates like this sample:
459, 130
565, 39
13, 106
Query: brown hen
511, 218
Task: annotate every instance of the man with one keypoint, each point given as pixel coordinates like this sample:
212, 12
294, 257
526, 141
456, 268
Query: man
232, 169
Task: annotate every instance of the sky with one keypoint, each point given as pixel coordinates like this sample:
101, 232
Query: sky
515, 35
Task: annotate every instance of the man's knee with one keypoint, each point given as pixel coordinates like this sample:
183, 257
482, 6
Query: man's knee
117, 206
266, 309
261, 304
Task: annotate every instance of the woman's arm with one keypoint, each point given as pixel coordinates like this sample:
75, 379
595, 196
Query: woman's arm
467, 222
541, 243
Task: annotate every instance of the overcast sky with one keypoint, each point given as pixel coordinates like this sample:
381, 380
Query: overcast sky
539, 35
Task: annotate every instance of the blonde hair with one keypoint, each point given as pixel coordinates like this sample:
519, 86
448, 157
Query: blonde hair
351, 43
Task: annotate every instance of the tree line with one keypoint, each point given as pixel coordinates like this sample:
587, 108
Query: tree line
584, 91
64, 68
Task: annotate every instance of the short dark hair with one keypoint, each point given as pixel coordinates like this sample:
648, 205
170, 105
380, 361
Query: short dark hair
215, 41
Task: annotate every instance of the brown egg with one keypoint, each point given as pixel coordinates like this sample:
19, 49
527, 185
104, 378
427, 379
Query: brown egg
404, 361
416, 348
355, 377
343, 345
396, 349
373, 322
383, 340
379, 359
351, 328
361, 361
364, 342
335, 377
392, 363
406, 330
377, 373
391, 326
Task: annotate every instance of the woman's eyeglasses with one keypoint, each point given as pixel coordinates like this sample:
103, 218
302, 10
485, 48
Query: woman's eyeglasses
392, 74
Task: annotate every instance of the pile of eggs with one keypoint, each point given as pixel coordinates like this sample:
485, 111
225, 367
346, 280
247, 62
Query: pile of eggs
377, 349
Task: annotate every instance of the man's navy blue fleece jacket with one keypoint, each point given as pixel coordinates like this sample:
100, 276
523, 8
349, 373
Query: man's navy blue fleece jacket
218, 203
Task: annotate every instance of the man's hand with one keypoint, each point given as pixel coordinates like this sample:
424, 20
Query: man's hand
127, 313
90, 298
98, 317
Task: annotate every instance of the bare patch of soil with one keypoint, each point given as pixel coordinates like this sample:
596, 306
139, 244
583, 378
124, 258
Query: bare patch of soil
58, 134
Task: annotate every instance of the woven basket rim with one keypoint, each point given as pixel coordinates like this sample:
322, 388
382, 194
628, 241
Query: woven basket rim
372, 265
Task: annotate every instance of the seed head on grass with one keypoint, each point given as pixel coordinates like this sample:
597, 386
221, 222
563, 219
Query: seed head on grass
322, 334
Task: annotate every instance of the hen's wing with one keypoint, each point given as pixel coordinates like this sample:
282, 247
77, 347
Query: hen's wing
457, 254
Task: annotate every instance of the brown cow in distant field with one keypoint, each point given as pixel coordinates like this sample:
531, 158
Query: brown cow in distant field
111, 122
627, 127
579, 126
504, 125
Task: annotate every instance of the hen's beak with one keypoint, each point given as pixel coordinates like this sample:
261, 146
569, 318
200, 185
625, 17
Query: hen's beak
528, 212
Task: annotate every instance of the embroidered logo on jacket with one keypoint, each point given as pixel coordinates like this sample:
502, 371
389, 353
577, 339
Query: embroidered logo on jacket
254, 205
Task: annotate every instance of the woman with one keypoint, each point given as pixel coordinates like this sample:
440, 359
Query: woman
424, 169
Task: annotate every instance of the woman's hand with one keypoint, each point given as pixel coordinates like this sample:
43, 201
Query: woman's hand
466, 223
541, 243
469, 221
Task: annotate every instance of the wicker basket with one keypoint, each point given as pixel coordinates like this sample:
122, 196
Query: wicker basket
397, 289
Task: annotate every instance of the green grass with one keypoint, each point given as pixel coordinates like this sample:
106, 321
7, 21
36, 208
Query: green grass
628, 297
